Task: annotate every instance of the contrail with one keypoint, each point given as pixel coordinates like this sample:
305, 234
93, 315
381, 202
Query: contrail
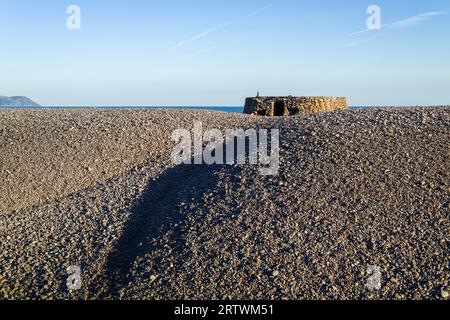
220, 26
406, 23
254, 13
413, 21
199, 36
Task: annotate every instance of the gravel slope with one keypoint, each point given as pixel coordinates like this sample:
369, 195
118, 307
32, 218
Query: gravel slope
95, 188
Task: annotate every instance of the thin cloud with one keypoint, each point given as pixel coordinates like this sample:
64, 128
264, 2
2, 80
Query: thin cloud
220, 26
199, 36
254, 13
405, 23
358, 32
413, 21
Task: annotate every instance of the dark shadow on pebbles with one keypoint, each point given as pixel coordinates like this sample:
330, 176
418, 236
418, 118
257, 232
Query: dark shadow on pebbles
155, 211
157, 208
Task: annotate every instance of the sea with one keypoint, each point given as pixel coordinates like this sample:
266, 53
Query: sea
212, 108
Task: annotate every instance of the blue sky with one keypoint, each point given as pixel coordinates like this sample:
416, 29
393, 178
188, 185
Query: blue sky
217, 52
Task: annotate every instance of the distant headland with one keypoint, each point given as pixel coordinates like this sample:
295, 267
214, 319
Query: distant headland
17, 101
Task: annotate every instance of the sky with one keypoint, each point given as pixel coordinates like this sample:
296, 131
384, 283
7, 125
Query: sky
217, 52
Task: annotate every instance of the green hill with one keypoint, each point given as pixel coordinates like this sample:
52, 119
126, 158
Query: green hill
17, 102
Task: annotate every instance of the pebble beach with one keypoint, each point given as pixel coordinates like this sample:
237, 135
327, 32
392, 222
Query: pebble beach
96, 188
